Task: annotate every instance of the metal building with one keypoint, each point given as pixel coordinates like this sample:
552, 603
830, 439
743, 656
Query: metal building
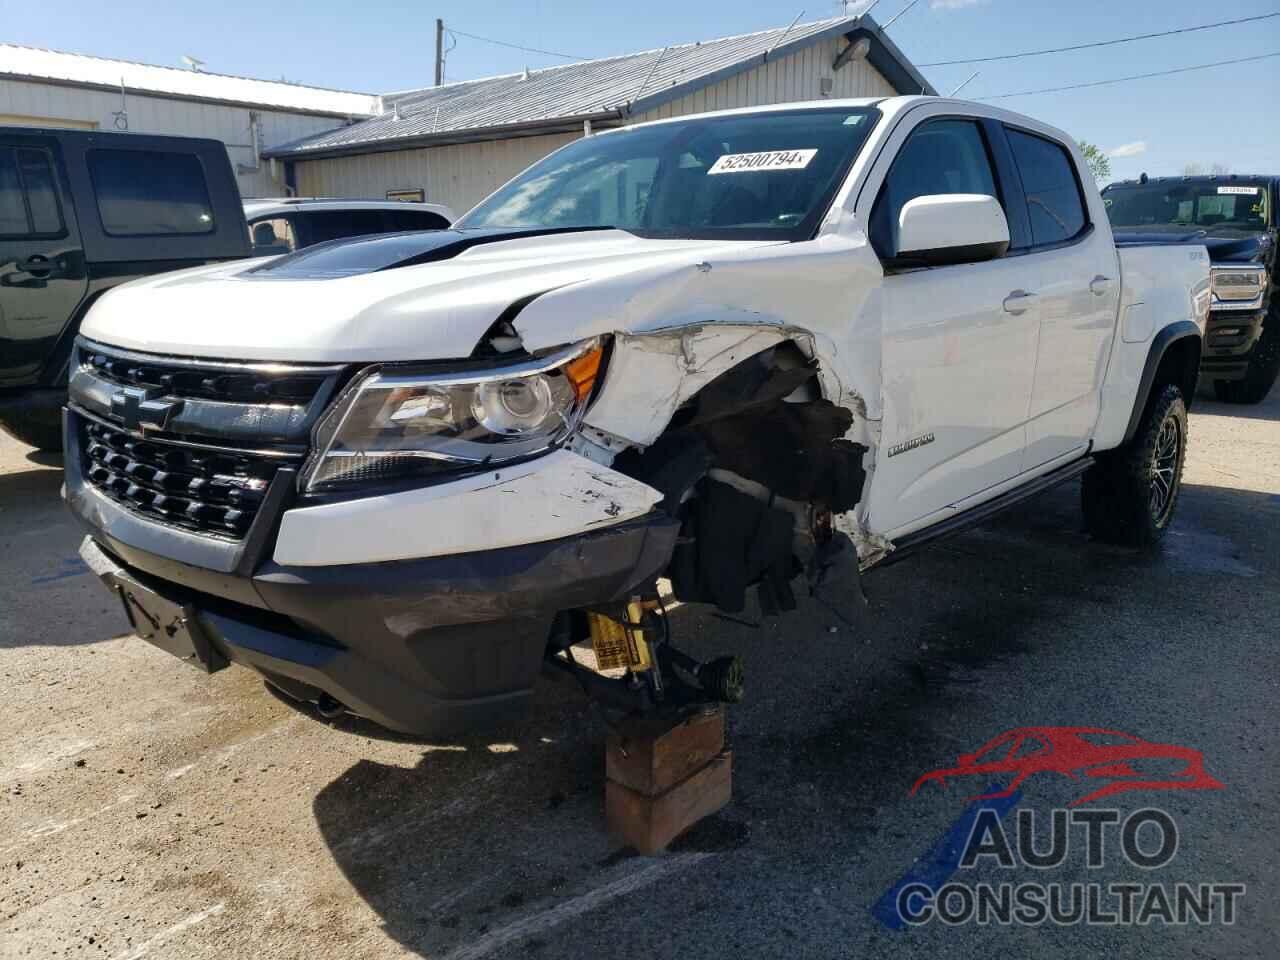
456, 143
43, 88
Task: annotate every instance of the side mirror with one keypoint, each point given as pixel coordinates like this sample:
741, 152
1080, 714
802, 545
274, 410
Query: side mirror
952, 228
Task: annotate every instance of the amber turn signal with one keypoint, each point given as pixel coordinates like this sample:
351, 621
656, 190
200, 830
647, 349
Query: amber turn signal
583, 371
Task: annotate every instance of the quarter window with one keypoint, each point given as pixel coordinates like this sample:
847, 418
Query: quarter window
150, 193
940, 156
1054, 202
28, 194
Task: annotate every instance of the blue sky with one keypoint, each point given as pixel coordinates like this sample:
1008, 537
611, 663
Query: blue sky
1225, 115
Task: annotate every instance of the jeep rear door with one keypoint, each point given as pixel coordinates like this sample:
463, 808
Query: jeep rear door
42, 274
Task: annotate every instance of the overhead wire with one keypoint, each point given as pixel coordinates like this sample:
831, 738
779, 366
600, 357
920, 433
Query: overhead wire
1137, 76
1102, 43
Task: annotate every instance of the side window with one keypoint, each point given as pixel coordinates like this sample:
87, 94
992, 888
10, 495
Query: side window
1054, 201
940, 156
150, 193
335, 224
415, 220
272, 236
28, 194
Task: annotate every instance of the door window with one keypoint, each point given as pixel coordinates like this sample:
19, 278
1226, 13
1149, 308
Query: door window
415, 220
941, 156
272, 236
28, 194
150, 193
1054, 201
334, 224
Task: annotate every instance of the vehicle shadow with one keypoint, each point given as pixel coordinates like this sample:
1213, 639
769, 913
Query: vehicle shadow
481, 842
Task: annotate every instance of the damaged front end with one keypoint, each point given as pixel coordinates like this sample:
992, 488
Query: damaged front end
754, 467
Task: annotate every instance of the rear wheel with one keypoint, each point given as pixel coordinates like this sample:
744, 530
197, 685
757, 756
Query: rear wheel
1130, 494
1264, 366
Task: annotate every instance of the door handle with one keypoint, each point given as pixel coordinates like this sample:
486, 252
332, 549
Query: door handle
42, 268
1099, 285
1019, 302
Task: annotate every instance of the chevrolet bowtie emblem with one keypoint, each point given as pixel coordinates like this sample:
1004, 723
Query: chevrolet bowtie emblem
140, 408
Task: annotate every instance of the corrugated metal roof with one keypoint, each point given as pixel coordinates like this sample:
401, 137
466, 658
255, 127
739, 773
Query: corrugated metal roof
17, 61
608, 88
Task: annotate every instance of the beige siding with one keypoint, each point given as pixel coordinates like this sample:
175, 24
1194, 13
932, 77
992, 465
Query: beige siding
460, 175
797, 77
45, 104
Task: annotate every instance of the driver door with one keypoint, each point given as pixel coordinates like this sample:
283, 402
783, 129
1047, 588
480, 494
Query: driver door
958, 345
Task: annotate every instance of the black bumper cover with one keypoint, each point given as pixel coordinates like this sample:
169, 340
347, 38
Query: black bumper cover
437, 646
1229, 340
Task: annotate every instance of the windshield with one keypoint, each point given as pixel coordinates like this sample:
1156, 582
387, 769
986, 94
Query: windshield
752, 176
1216, 208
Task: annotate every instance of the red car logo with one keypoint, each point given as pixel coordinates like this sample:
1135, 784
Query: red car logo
1126, 762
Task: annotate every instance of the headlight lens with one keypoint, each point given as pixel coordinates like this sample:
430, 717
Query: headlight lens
392, 425
1238, 283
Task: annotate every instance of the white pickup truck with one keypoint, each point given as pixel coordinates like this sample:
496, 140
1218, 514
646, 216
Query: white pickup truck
399, 476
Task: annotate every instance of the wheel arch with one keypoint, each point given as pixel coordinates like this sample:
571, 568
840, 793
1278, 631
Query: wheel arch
1174, 357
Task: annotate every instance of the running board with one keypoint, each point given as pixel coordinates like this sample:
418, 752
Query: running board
912, 542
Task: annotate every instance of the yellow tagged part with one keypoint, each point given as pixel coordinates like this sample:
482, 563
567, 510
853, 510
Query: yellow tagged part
617, 645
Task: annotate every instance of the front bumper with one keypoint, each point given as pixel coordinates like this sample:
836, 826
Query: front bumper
1229, 339
428, 647
435, 645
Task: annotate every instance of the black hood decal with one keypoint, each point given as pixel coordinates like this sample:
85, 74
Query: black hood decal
351, 257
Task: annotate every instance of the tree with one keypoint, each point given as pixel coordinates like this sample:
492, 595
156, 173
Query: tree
1099, 162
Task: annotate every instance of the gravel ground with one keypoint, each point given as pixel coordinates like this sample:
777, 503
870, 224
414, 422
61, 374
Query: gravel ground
146, 810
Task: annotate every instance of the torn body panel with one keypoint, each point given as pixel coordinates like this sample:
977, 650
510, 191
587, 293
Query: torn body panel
678, 330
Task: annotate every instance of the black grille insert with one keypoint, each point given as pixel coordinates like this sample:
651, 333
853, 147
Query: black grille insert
209, 491
245, 385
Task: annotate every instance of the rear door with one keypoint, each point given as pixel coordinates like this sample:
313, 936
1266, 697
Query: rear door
42, 270
1078, 291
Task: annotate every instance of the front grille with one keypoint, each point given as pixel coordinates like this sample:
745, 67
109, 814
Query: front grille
193, 444
206, 490
264, 385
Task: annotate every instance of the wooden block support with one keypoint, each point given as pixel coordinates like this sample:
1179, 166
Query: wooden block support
664, 774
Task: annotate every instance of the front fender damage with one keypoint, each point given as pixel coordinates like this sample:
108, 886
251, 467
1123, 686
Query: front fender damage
730, 422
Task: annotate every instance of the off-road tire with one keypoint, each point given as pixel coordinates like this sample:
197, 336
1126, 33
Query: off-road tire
1264, 366
42, 432
1130, 494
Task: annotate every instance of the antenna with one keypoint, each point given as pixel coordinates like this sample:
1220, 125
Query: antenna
193, 62
964, 84
888, 23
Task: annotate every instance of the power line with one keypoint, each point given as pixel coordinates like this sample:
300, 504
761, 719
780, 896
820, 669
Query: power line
1103, 43
516, 46
1140, 76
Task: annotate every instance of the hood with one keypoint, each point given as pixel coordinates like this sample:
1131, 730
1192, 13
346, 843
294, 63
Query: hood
1221, 249
420, 296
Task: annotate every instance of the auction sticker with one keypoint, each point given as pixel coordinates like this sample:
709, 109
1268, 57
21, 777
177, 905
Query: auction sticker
1236, 191
769, 160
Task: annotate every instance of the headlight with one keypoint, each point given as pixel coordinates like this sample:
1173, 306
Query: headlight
392, 424
1238, 283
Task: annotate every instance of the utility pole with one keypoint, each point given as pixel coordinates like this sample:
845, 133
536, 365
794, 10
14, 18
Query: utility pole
439, 51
